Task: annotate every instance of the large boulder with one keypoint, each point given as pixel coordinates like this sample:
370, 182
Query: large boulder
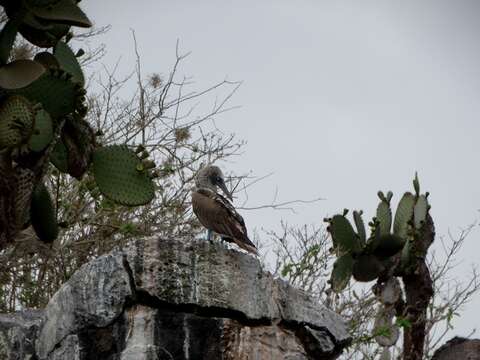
175, 299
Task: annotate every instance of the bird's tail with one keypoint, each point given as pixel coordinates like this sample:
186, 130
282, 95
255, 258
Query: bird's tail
245, 244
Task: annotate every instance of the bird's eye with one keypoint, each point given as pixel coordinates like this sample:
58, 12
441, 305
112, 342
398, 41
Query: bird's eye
218, 179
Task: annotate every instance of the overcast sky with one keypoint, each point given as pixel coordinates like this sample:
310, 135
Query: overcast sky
339, 98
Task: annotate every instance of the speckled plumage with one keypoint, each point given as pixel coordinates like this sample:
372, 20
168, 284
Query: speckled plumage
216, 212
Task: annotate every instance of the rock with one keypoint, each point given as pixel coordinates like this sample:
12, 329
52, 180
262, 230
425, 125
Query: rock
18, 334
459, 348
175, 299
92, 298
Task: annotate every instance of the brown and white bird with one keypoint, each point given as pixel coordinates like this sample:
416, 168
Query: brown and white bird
217, 213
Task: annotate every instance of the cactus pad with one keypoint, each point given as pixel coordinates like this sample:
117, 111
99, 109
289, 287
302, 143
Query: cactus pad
388, 245
68, 62
59, 157
24, 180
47, 60
345, 240
7, 38
42, 214
55, 91
20, 73
367, 268
420, 211
63, 12
42, 131
403, 214
360, 225
384, 216
16, 121
342, 271
117, 177
44, 38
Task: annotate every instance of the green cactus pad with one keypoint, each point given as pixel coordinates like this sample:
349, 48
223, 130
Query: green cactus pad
406, 253
44, 38
367, 268
68, 62
24, 180
345, 240
16, 121
388, 245
59, 157
63, 12
42, 214
420, 211
384, 216
7, 38
341, 273
55, 91
360, 225
47, 60
20, 73
117, 177
42, 132
404, 214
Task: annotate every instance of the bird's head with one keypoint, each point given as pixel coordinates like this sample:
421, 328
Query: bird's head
211, 177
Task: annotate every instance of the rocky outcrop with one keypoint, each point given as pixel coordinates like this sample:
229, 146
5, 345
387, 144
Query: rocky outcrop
459, 348
172, 299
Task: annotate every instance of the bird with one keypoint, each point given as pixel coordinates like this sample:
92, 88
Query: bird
215, 211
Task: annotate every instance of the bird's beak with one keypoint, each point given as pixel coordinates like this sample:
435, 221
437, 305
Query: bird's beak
225, 190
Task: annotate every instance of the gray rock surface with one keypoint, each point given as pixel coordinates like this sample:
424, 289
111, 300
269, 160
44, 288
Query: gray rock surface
173, 299
459, 348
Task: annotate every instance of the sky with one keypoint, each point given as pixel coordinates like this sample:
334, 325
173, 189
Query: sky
339, 99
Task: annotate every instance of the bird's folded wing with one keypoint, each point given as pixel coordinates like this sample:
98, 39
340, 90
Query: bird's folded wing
216, 213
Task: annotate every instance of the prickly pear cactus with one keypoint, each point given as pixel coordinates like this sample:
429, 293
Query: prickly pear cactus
371, 257
42, 111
